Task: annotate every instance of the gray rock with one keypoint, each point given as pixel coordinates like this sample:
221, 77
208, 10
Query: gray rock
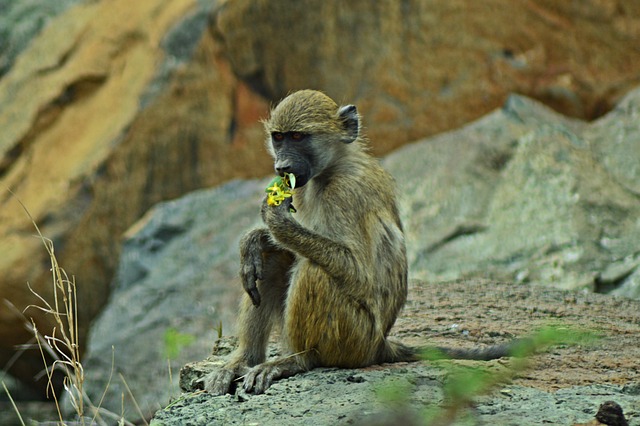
517, 405
179, 46
320, 397
615, 140
22, 20
177, 275
630, 284
387, 396
523, 195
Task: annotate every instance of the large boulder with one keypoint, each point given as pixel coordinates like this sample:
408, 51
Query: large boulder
114, 107
177, 276
523, 195
529, 196
420, 67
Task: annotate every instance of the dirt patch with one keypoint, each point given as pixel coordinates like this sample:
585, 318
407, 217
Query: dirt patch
477, 312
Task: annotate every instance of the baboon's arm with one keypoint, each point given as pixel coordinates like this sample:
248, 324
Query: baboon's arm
335, 257
256, 247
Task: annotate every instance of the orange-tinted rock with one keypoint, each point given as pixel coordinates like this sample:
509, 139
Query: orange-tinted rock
418, 67
93, 135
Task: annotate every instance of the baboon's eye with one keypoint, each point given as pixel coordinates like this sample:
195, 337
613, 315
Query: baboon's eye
297, 136
277, 136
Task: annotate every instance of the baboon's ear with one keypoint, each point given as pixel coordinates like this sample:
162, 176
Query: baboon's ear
348, 114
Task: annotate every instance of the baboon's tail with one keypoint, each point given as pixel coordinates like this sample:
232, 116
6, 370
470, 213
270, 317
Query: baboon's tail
477, 354
397, 352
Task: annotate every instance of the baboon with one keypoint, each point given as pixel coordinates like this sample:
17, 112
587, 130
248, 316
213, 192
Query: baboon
333, 276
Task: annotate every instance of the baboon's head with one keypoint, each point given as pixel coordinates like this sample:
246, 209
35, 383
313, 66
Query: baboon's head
307, 131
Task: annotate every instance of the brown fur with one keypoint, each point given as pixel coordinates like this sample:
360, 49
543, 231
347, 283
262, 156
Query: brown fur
334, 275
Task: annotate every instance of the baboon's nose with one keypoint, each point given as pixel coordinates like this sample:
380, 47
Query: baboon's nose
282, 167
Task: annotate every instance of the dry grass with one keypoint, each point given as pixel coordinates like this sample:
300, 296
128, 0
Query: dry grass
63, 346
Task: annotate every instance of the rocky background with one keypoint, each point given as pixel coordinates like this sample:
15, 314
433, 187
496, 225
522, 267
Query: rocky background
109, 107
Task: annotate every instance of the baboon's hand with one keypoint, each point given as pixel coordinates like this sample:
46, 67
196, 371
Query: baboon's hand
251, 264
276, 215
261, 377
219, 382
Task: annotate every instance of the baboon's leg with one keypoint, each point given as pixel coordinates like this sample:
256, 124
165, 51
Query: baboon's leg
255, 320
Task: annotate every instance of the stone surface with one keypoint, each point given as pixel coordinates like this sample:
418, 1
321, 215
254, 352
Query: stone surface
525, 195
67, 100
331, 397
417, 67
564, 385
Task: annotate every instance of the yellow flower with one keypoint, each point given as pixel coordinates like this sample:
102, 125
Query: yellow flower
274, 188
279, 189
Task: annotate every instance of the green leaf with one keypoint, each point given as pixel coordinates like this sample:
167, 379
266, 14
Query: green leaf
174, 342
275, 181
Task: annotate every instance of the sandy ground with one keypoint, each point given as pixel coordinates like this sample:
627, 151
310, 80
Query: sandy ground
465, 314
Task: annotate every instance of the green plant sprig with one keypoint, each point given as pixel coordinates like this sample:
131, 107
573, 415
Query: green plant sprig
281, 188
